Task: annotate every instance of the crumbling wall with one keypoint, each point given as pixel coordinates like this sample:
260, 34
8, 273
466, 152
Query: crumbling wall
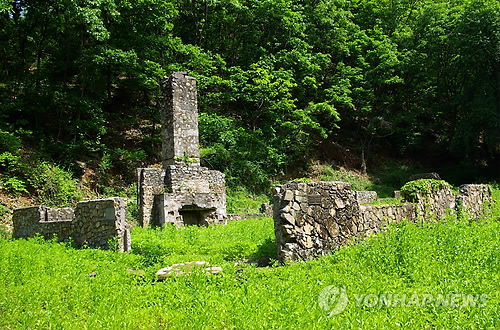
29, 221
311, 219
472, 197
150, 182
99, 221
436, 204
92, 223
200, 208
365, 197
373, 217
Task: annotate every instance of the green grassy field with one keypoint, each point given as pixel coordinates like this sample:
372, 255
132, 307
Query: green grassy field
48, 285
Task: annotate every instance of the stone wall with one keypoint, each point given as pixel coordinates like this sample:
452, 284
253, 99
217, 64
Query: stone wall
197, 179
91, 223
187, 208
29, 221
150, 182
311, 219
472, 197
373, 217
437, 204
365, 197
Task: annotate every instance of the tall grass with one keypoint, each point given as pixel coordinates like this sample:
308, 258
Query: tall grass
242, 201
50, 285
252, 239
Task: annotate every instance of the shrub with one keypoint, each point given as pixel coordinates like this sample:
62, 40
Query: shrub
422, 186
242, 201
9, 142
54, 186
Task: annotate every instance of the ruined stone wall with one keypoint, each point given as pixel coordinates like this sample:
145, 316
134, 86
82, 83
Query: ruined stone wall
194, 179
373, 217
365, 197
91, 223
311, 219
437, 204
101, 220
150, 182
472, 198
29, 221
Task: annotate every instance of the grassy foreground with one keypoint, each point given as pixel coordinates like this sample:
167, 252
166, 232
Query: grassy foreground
45, 285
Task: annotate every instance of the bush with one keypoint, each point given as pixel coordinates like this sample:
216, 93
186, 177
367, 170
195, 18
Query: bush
242, 201
9, 142
422, 186
54, 186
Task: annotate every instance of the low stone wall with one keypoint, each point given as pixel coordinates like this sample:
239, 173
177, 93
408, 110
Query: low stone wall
29, 221
472, 197
437, 204
373, 217
92, 223
365, 197
311, 219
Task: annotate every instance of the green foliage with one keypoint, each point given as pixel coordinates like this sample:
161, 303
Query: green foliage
423, 187
54, 186
242, 201
214, 244
275, 78
14, 184
9, 143
244, 156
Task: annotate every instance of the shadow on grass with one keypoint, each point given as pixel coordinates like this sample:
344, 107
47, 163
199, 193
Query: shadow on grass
266, 250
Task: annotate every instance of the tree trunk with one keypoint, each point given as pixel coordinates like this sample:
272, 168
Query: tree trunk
363, 160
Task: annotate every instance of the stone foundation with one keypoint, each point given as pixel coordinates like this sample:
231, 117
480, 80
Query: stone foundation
312, 219
91, 223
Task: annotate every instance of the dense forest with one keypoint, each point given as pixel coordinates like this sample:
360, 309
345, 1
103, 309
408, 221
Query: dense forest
280, 83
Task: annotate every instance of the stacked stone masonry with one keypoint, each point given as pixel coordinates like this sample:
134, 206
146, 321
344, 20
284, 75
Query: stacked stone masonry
472, 197
312, 219
182, 192
180, 120
93, 223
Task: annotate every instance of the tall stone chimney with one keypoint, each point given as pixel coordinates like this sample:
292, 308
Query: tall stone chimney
180, 121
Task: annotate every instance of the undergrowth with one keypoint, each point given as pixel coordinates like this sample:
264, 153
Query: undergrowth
242, 201
51, 285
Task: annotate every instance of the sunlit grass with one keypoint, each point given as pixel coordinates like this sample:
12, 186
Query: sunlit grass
50, 285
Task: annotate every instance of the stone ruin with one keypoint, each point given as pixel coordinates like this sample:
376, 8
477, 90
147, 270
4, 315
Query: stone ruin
96, 223
312, 219
182, 192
